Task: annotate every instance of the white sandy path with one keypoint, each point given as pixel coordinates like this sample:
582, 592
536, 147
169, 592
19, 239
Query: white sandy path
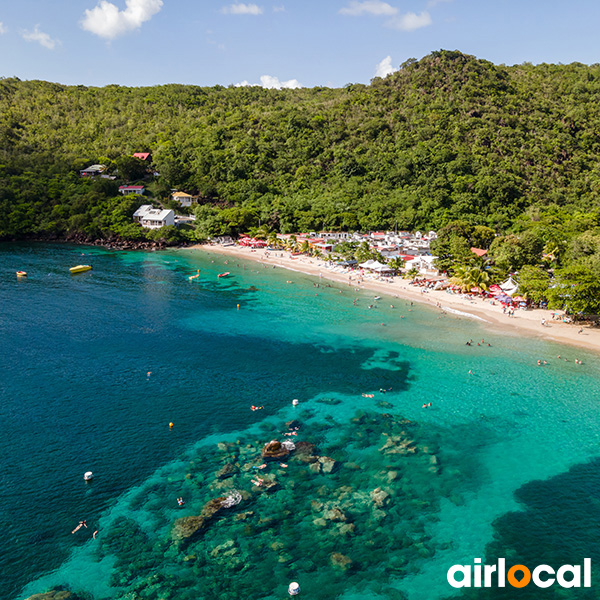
525, 322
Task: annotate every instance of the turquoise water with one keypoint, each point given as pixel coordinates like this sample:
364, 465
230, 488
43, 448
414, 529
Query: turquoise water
504, 462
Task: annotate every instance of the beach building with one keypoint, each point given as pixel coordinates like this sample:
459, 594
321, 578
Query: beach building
424, 264
145, 156
131, 189
153, 218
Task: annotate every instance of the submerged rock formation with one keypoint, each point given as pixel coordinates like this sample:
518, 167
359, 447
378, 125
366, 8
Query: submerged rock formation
274, 450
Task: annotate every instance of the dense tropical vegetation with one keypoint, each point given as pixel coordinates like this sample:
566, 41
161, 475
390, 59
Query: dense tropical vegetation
496, 157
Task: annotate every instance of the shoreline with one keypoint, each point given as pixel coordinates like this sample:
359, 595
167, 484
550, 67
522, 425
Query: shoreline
525, 322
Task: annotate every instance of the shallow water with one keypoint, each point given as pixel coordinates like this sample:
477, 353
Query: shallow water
75, 396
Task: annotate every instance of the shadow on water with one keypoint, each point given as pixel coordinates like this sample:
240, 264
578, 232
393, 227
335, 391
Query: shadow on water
559, 525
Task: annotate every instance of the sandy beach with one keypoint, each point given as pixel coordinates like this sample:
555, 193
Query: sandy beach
524, 322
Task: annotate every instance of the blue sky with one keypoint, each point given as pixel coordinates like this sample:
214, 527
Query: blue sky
279, 42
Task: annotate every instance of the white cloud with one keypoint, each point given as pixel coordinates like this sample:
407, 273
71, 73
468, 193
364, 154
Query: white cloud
267, 81
107, 21
410, 21
242, 9
278, 9
369, 7
384, 68
3, 29
39, 36
272, 83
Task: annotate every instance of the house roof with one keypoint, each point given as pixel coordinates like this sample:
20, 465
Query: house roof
181, 195
141, 155
157, 214
142, 210
131, 187
95, 168
479, 251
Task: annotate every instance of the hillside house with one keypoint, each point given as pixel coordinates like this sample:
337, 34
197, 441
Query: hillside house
131, 189
184, 199
93, 171
153, 218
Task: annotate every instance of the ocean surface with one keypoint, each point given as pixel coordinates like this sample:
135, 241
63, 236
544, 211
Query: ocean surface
381, 495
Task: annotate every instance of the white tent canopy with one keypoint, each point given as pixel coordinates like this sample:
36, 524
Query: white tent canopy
509, 286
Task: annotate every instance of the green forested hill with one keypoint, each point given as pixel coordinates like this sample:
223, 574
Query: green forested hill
447, 137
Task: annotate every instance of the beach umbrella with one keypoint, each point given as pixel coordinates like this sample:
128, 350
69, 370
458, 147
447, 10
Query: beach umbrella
519, 299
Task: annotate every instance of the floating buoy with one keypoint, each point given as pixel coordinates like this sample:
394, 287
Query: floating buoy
294, 588
238, 307
88, 476
170, 425
295, 402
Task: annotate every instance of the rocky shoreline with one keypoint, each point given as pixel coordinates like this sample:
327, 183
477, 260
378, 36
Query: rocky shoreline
111, 243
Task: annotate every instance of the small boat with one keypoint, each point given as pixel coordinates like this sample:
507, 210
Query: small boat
88, 476
223, 274
80, 269
377, 298
21, 274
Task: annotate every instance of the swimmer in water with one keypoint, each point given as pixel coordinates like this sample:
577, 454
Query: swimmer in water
81, 524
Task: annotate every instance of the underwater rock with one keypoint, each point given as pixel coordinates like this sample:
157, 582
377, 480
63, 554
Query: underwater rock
320, 522
380, 497
384, 404
228, 470
274, 450
187, 527
347, 529
398, 445
245, 515
305, 452
315, 467
341, 561
327, 464
392, 475
294, 424
329, 401
53, 595
334, 514
226, 549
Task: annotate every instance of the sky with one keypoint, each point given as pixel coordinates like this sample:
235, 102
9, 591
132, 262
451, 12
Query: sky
279, 43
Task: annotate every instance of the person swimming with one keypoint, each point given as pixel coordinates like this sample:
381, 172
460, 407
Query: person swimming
81, 524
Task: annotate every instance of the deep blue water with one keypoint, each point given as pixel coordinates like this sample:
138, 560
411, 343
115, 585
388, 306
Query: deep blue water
75, 395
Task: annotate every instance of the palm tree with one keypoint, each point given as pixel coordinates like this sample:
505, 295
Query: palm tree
292, 243
305, 247
273, 240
